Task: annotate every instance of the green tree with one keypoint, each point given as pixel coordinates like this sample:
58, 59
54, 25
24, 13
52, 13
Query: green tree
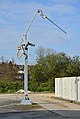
50, 66
73, 68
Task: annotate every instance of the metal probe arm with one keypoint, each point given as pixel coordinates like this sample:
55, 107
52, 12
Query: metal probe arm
25, 39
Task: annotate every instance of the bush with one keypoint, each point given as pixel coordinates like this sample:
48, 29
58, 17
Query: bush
10, 86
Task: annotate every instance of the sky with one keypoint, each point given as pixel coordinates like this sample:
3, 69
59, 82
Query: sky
15, 16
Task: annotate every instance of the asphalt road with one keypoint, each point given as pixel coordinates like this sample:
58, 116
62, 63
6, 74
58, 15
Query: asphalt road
51, 108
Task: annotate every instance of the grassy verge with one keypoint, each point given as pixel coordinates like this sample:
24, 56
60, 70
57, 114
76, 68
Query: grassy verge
20, 107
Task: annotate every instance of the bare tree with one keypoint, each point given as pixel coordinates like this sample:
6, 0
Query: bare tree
40, 52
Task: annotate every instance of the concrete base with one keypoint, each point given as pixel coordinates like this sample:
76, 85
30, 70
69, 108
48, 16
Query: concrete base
26, 102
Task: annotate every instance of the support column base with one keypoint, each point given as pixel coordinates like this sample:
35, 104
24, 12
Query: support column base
26, 102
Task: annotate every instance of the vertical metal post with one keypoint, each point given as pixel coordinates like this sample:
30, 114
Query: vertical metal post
26, 75
26, 100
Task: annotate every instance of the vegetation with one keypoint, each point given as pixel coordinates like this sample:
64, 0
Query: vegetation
8, 81
49, 65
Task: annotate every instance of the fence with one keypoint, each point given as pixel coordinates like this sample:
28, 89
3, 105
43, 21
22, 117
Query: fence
68, 88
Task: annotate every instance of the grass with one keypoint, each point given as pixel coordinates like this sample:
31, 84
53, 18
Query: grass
20, 107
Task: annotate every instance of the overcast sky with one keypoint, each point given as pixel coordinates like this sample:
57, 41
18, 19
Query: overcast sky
15, 16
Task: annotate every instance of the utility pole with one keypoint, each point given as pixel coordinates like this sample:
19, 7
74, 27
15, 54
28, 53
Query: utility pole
24, 46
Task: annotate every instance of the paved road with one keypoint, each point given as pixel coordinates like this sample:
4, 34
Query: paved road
51, 108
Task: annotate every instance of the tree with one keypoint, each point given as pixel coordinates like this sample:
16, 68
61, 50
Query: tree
73, 68
40, 52
50, 66
2, 59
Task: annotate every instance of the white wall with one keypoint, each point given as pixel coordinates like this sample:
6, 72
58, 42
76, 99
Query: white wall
79, 89
68, 88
